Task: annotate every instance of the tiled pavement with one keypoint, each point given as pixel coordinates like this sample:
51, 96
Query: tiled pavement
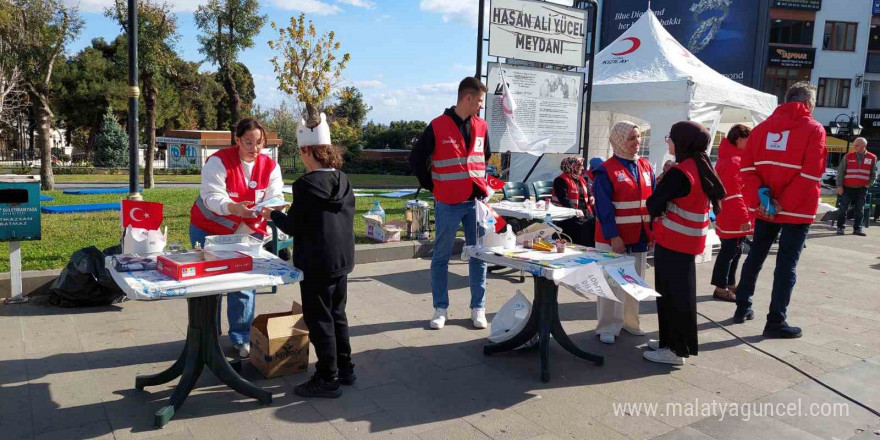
69, 374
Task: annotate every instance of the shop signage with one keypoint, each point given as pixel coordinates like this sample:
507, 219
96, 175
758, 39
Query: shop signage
871, 118
795, 57
812, 5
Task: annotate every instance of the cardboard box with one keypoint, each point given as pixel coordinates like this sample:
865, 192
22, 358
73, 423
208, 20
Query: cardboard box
280, 343
203, 264
378, 231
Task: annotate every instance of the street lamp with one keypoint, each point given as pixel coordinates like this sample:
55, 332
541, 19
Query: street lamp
850, 127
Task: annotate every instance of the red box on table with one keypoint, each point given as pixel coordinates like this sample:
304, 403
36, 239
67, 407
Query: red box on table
203, 264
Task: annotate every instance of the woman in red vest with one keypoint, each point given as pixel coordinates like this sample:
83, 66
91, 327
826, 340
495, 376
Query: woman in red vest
233, 180
571, 190
734, 222
679, 210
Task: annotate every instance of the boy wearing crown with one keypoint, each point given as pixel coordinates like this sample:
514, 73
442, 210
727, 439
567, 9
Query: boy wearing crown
321, 222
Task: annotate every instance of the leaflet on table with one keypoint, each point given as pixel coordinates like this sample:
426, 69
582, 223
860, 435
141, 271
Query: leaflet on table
273, 202
572, 257
589, 280
625, 275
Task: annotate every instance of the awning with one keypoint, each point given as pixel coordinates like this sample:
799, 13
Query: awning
835, 145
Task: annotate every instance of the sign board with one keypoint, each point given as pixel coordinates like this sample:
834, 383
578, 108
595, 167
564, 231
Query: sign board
876, 10
794, 57
183, 156
721, 34
871, 118
19, 209
537, 31
548, 104
811, 5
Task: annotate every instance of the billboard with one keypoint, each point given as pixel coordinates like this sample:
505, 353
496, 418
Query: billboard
537, 31
794, 57
721, 33
548, 105
876, 9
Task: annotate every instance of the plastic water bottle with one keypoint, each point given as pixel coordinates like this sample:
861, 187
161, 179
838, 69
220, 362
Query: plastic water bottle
377, 210
548, 220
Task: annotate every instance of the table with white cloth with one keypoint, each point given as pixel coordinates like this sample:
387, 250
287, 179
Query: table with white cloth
528, 211
202, 346
585, 270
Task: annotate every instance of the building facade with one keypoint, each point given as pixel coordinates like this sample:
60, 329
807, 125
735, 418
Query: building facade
871, 93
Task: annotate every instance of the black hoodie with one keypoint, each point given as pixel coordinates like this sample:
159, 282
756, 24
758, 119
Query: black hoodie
321, 222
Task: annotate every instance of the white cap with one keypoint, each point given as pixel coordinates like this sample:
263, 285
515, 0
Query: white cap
319, 135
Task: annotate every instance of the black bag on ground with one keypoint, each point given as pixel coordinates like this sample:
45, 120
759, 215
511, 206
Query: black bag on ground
85, 282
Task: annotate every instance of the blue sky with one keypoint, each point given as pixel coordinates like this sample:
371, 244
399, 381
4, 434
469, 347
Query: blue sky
407, 56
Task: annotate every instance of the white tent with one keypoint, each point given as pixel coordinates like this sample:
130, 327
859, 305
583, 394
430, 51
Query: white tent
650, 78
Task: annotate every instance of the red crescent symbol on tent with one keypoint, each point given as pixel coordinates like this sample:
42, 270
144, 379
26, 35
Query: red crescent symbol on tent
780, 137
635, 45
683, 50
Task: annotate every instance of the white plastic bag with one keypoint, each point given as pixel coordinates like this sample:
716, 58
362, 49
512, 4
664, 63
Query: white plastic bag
511, 318
143, 241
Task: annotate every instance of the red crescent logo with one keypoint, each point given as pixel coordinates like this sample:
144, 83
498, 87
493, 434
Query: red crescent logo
635, 45
780, 137
683, 50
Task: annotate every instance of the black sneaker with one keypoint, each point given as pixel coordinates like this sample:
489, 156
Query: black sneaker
840, 232
782, 331
346, 375
317, 387
860, 233
739, 318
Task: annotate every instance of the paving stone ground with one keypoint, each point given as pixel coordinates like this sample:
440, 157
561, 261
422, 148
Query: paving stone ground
69, 374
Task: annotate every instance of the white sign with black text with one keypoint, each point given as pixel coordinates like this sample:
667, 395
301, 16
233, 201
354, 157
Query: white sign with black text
537, 31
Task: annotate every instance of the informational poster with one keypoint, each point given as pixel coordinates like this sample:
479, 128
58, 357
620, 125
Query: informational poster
721, 33
589, 281
626, 277
19, 209
548, 105
537, 31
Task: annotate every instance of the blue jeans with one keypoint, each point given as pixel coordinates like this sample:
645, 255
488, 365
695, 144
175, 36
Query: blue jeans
240, 311
791, 243
446, 220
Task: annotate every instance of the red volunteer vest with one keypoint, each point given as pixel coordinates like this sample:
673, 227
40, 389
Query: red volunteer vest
629, 199
573, 191
684, 226
454, 169
216, 224
858, 172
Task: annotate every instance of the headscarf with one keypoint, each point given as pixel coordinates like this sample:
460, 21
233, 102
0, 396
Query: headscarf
691, 142
619, 134
572, 165
596, 162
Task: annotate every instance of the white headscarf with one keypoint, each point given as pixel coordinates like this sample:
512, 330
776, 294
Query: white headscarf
619, 134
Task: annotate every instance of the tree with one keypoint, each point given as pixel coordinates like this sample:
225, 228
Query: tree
111, 145
34, 34
13, 98
307, 65
281, 120
351, 107
227, 27
244, 85
157, 35
397, 135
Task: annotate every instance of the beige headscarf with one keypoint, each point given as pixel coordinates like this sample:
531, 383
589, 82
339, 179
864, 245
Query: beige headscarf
618, 137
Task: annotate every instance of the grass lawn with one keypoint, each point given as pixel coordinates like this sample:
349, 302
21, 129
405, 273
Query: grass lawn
64, 234
358, 180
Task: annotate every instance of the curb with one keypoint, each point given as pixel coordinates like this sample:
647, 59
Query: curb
363, 254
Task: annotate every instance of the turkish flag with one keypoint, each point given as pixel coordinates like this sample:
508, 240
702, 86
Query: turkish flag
146, 215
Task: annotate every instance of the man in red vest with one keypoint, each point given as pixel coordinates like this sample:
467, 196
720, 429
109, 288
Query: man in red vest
450, 161
785, 154
855, 174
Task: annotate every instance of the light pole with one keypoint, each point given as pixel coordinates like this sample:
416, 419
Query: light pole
133, 93
850, 125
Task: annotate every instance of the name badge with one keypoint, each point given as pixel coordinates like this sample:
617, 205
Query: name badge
621, 177
233, 194
647, 176
478, 145
868, 161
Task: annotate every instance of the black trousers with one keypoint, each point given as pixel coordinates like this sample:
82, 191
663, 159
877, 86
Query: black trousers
724, 273
857, 198
581, 231
323, 301
675, 278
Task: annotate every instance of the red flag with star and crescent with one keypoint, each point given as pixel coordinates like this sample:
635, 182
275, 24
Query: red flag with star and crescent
138, 214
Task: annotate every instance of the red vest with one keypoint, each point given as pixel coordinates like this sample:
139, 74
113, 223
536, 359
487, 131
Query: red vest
684, 226
454, 169
858, 172
216, 224
573, 191
629, 199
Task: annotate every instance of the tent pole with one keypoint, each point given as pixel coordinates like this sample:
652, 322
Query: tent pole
534, 165
594, 13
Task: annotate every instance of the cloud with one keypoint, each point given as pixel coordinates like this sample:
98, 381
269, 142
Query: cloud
368, 84
390, 101
464, 11
464, 67
359, 3
438, 88
101, 5
308, 6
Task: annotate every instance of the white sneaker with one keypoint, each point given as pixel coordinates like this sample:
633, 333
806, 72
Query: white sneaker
663, 356
654, 344
439, 319
478, 315
244, 350
606, 338
635, 331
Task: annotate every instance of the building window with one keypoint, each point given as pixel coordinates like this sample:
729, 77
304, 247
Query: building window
840, 35
833, 92
791, 32
777, 80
